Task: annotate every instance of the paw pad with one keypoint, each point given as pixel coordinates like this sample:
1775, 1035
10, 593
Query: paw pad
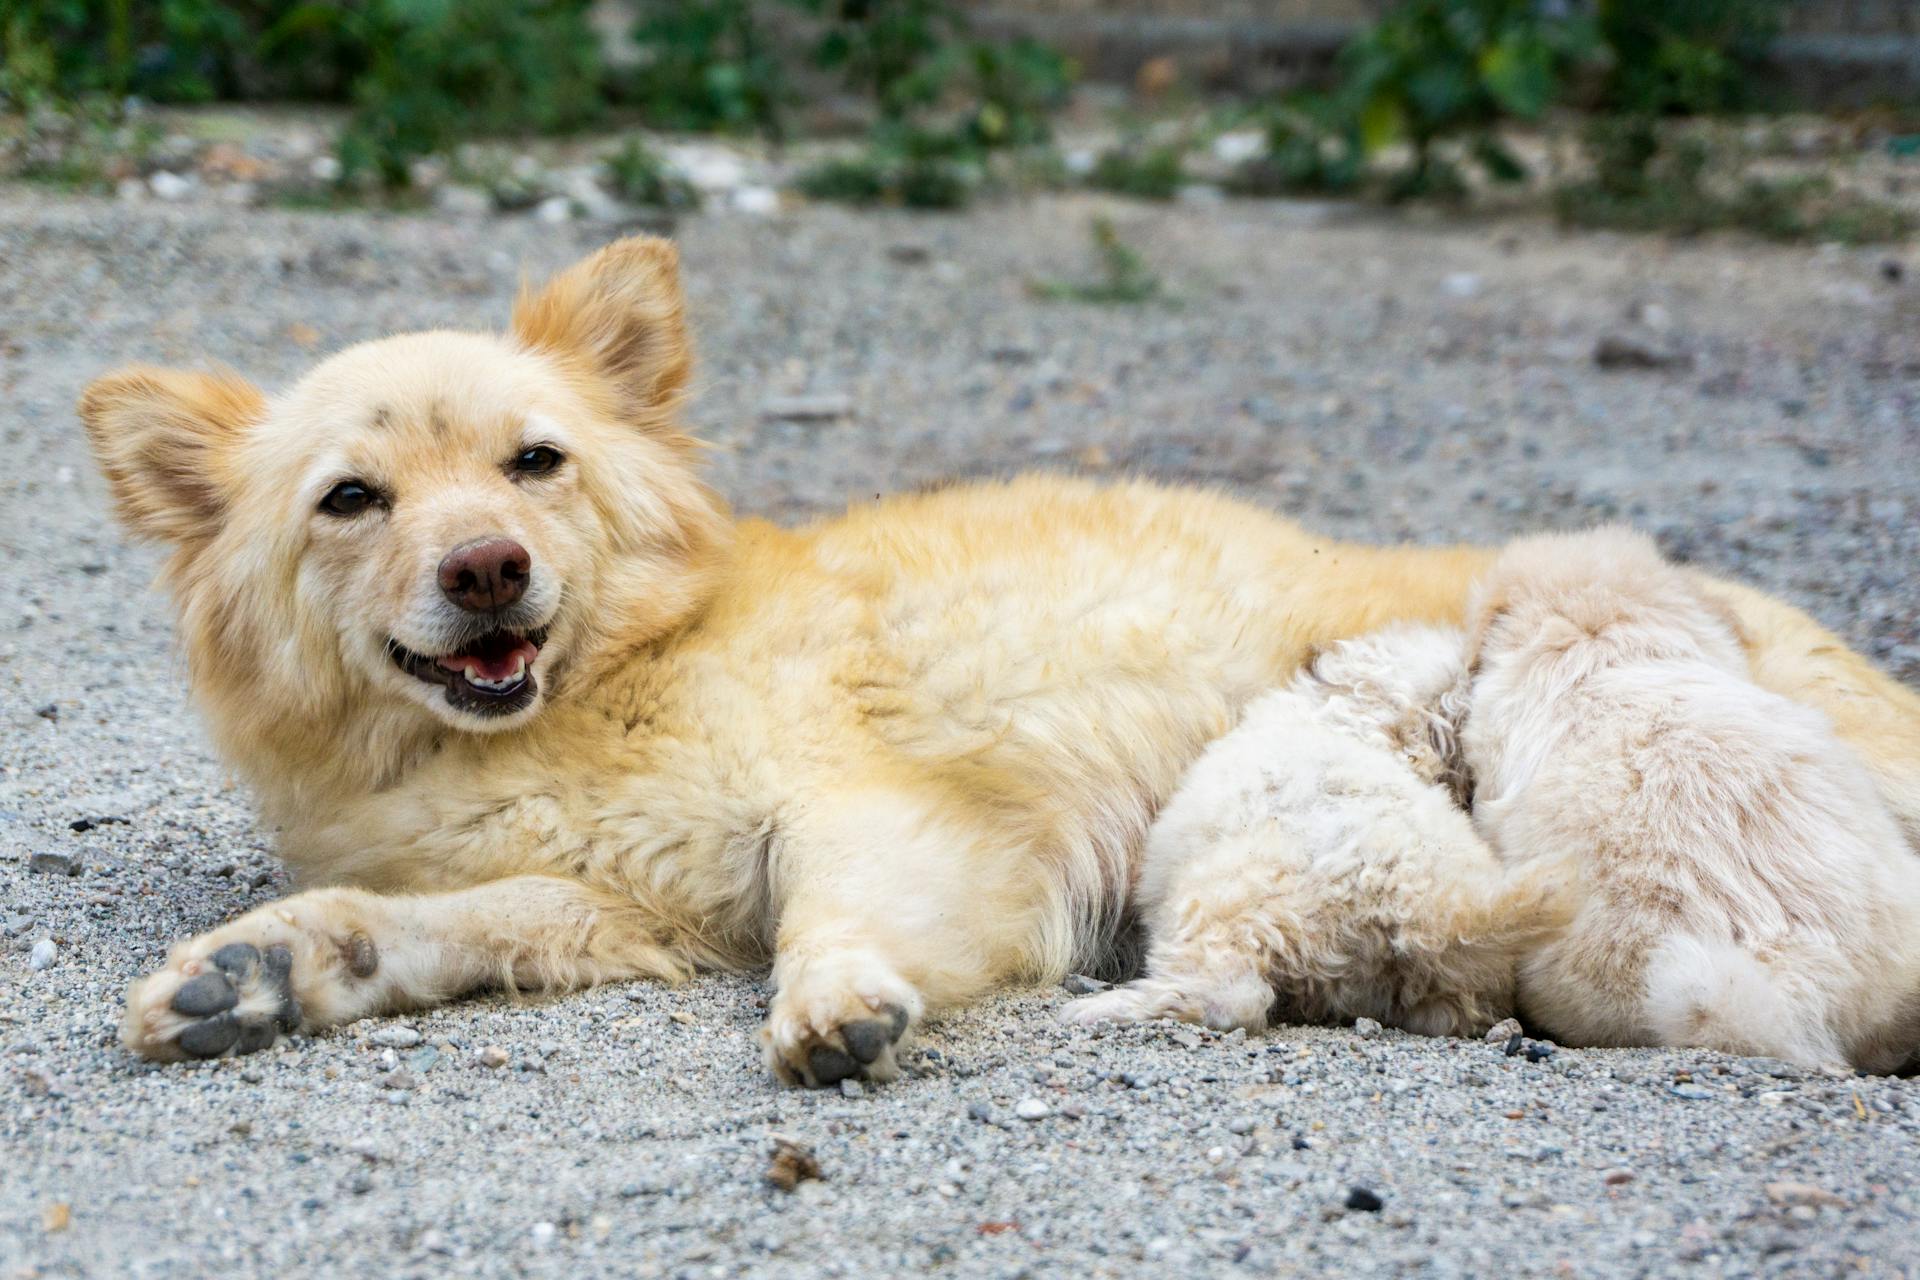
863, 1044
241, 1003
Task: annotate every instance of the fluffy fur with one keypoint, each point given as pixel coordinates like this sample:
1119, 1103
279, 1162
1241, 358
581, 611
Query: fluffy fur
904, 756
1315, 863
1740, 884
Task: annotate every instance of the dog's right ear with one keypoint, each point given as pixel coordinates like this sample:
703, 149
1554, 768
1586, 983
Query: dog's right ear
165, 438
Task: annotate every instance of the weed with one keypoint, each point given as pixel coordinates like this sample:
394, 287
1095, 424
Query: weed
639, 176
1646, 180
1146, 172
1124, 277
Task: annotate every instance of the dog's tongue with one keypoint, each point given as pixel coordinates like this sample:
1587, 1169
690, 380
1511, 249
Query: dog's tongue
495, 658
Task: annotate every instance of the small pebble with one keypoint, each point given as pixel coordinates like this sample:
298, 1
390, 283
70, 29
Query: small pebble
492, 1056
1365, 1201
53, 864
1503, 1031
851, 1088
396, 1037
1366, 1028
43, 955
1032, 1109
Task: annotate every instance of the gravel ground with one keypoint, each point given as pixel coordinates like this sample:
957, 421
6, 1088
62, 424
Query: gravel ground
1382, 379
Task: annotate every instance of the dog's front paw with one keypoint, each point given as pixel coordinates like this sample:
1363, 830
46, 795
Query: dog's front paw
843, 1016
239, 988
1134, 1002
237, 999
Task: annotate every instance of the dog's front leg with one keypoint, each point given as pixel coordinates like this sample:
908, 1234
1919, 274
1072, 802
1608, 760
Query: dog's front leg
330, 956
888, 905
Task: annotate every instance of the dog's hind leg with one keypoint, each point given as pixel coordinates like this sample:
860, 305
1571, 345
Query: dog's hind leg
329, 956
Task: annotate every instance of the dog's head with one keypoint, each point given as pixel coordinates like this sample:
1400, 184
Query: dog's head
1403, 687
437, 529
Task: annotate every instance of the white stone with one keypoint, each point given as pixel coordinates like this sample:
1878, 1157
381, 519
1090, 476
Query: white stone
170, 186
1239, 146
460, 201
43, 955
325, 168
757, 200
708, 167
553, 211
1032, 1109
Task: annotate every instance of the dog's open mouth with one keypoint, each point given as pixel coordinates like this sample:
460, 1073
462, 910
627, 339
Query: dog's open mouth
492, 675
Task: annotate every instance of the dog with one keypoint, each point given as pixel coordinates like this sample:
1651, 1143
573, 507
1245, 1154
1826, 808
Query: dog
1316, 862
1740, 884
530, 707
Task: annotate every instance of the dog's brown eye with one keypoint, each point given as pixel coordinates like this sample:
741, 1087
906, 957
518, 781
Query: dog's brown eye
537, 460
348, 498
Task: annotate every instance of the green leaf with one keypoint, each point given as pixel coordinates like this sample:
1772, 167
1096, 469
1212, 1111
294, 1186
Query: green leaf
1518, 71
1382, 123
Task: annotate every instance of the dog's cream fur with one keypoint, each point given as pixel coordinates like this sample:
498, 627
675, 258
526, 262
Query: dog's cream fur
1740, 885
904, 756
1315, 861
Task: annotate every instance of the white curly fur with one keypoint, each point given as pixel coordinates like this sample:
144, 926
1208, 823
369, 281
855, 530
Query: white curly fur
1314, 862
1740, 884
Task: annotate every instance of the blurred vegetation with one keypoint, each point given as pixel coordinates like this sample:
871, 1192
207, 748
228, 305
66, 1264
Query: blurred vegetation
1645, 179
1123, 276
422, 75
1423, 104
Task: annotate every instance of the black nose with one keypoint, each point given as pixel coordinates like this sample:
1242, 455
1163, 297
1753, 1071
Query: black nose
486, 574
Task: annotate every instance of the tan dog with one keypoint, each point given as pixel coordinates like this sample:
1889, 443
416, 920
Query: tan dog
1316, 861
1740, 885
514, 684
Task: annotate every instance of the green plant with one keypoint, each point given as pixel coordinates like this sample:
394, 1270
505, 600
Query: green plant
1432, 70
887, 49
1308, 149
709, 64
1147, 172
1124, 277
639, 176
442, 70
1645, 179
899, 166
1686, 58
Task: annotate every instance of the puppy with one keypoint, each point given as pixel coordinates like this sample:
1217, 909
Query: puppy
1315, 863
1740, 884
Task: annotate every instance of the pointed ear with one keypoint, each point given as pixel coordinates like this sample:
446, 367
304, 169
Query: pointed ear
164, 438
619, 314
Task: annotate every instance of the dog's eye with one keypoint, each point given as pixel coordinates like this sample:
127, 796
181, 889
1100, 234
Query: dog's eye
348, 498
537, 460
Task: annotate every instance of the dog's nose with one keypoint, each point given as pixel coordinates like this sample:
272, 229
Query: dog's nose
486, 574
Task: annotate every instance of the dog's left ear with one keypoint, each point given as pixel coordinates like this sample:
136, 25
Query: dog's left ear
619, 315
